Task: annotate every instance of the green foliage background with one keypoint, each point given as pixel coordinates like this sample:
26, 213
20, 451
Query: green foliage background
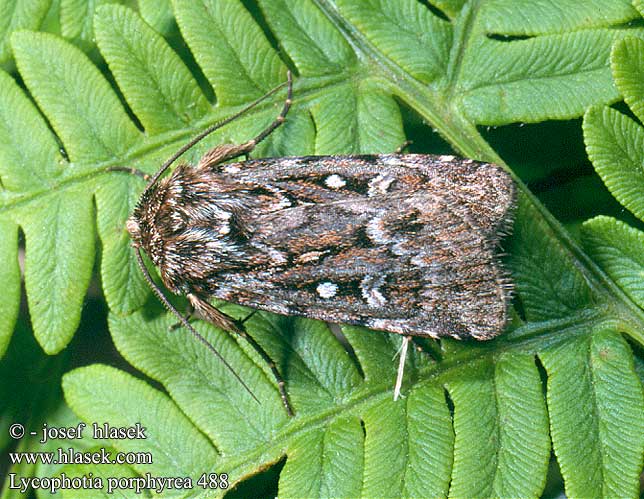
88, 86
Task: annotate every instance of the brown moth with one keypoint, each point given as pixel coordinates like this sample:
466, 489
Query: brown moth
401, 243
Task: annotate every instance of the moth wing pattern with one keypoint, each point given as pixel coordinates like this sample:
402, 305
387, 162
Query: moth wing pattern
401, 243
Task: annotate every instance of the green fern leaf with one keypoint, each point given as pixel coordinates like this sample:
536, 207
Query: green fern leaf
16, 14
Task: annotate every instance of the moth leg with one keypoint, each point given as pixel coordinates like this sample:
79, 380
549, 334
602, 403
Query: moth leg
224, 152
211, 314
221, 320
403, 146
281, 386
401, 366
190, 312
242, 321
132, 171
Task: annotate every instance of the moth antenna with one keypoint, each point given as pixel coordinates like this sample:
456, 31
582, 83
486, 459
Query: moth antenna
166, 303
219, 124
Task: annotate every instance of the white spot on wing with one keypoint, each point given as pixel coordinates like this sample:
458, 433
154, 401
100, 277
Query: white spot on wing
378, 323
311, 256
327, 289
447, 157
376, 231
284, 202
391, 160
375, 298
335, 181
233, 168
370, 292
277, 256
380, 184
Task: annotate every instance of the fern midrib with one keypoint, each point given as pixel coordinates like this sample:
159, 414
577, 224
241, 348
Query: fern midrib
455, 63
630, 315
595, 419
90, 171
550, 334
496, 480
587, 72
435, 108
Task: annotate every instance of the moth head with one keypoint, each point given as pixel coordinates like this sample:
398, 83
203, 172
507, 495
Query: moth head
136, 225
142, 227
134, 229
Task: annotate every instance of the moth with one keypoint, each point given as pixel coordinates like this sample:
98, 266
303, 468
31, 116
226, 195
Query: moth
401, 243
